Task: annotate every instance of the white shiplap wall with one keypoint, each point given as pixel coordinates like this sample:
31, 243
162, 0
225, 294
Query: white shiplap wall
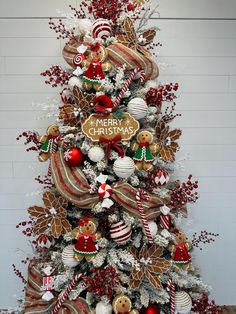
199, 44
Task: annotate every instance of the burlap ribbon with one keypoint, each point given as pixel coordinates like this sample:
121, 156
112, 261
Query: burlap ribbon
72, 184
33, 297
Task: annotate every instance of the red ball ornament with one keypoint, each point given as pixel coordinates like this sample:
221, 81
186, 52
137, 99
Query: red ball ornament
161, 177
151, 309
130, 7
74, 157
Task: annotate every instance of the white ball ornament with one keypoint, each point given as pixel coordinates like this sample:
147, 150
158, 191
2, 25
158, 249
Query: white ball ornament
68, 256
153, 228
74, 81
103, 308
120, 232
138, 108
96, 154
84, 26
124, 167
101, 28
183, 302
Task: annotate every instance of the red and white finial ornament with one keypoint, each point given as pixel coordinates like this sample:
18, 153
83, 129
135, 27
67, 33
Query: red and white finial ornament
120, 232
102, 28
161, 177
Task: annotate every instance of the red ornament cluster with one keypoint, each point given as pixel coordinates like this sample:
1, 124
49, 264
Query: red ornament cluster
205, 237
184, 193
151, 309
103, 281
205, 306
155, 96
56, 76
30, 137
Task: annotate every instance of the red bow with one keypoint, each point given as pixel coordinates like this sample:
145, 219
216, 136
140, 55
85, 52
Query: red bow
51, 137
83, 221
95, 47
112, 143
144, 144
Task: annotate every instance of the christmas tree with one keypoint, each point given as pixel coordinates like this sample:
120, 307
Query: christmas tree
108, 237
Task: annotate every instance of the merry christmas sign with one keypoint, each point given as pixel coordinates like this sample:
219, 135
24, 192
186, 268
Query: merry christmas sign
108, 126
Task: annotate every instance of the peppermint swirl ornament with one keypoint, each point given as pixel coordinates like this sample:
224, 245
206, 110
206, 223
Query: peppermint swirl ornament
104, 190
78, 59
101, 28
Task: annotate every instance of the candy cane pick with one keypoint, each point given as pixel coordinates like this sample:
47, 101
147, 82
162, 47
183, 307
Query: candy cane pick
171, 287
62, 299
142, 194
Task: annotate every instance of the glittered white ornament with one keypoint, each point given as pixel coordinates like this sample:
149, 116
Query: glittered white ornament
183, 302
101, 28
124, 167
152, 227
84, 26
138, 108
103, 308
120, 232
74, 81
68, 256
96, 154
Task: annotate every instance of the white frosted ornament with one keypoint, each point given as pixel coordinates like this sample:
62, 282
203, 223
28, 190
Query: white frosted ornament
124, 167
84, 26
138, 108
96, 154
101, 28
183, 302
68, 256
120, 232
153, 228
74, 81
103, 308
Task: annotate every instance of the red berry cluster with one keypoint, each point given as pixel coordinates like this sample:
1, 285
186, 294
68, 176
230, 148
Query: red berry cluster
103, 281
19, 274
155, 96
56, 76
205, 306
184, 193
80, 14
169, 115
204, 237
60, 29
108, 9
46, 181
28, 232
31, 137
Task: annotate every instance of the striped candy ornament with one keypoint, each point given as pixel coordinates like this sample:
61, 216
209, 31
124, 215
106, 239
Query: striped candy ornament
165, 221
101, 28
124, 167
68, 256
120, 232
104, 190
171, 287
183, 302
141, 194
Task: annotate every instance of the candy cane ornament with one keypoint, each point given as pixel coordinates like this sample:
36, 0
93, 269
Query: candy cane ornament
171, 287
127, 84
142, 194
62, 299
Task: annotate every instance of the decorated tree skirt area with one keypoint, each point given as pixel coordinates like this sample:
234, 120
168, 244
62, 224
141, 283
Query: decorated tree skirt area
108, 236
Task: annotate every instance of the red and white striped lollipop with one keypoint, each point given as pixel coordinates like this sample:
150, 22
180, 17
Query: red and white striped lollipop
104, 190
101, 28
120, 232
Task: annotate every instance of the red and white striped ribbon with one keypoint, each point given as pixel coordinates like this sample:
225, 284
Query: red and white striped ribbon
64, 296
171, 287
127, 84
142, 194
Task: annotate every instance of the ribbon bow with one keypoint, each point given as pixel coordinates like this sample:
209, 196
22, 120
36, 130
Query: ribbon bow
112, 143
73, 185
95, 47
83, 221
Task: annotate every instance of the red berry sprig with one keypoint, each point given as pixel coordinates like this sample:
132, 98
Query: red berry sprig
156, 96
30, 137
46, 181
169, 115
60, 29
205, 306
19, 274
81, 13
28, 231
184, 193
57, 76
103, 281
203, 238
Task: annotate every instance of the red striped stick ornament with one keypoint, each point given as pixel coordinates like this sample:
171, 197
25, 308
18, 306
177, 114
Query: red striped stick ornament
64, 296
143, 195
171, 287
127, 84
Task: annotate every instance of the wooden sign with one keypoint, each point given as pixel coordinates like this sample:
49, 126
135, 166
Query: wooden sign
107, 126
